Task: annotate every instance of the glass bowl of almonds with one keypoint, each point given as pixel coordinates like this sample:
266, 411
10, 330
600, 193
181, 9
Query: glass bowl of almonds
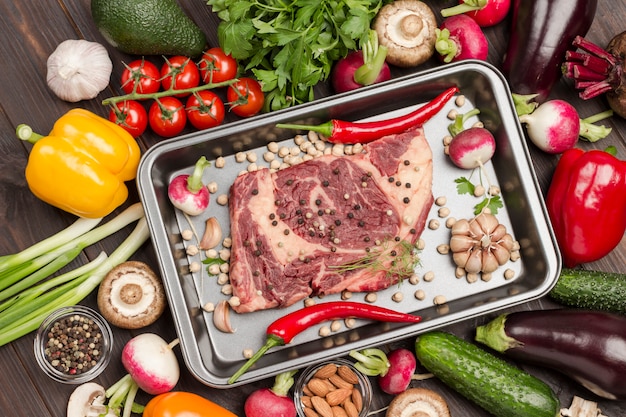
329, 386
73, 344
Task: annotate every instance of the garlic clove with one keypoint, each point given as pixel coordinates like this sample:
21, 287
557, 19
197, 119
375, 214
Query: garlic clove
474, 262
78, 70
221, 317
460, 227
489, 262
501, 253
459, 243
212, 235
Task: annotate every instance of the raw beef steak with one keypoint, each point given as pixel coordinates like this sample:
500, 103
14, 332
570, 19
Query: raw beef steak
330, 224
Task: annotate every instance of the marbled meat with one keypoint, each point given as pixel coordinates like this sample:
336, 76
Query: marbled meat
330, 224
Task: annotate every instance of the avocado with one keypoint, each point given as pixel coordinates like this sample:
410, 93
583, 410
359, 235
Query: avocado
148, 27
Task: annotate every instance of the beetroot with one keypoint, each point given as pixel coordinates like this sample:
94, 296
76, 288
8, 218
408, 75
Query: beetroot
599, 71
459, 37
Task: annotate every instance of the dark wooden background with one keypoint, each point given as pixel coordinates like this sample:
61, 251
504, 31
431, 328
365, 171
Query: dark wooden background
30, 30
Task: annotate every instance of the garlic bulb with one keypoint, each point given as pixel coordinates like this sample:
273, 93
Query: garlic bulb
78, 70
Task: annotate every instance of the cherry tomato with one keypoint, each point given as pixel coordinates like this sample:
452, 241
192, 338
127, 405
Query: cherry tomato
167, 116
131, 116
183, 71
216, 67
205, 109
245, 97
142, 73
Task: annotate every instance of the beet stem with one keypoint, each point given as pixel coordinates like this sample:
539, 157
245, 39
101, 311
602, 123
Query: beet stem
581, 72
595, 90
594, 49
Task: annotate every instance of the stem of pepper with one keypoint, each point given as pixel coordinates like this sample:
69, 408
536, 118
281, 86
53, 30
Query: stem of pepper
272, 341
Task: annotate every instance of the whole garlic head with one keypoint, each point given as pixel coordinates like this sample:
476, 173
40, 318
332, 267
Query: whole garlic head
78, 70
481, 244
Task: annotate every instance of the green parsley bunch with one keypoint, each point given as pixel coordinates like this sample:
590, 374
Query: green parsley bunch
291, 45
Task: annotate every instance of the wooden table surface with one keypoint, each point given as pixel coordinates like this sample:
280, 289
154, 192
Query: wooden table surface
30, 31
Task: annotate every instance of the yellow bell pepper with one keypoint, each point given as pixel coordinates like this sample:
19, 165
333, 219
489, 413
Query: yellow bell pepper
81, 166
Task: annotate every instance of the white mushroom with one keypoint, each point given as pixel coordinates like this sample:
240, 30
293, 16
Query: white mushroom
131, 296
407, 29
418, 402
87, 400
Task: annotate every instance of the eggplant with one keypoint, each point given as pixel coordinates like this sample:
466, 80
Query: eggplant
588, 346
541, 32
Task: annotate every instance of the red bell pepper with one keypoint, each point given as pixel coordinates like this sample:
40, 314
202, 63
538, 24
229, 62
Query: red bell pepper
586, 202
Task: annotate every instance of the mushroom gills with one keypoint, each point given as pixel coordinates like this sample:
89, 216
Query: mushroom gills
131, 296
418, 402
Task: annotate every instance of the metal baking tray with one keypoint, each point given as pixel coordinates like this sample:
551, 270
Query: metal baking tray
213, 356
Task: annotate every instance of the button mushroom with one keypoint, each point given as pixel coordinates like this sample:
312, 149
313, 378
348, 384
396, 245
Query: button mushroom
87, 400
418, 402
407, 29
131, 296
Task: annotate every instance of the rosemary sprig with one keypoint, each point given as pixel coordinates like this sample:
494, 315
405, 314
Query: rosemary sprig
398, 260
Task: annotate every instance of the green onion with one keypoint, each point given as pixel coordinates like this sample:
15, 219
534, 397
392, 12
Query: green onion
27, 297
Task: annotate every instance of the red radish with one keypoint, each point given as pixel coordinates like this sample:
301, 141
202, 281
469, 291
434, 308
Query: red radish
555, 126
188, 193
470, 148
484, 12
395, 371
458, 38
360, 68
272, 402
151, 363
401, 370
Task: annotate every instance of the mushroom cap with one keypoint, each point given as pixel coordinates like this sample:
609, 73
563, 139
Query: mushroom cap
131, 296
418, 402
407, 29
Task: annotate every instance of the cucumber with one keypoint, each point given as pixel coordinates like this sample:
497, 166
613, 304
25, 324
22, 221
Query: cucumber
593, 290
497, 386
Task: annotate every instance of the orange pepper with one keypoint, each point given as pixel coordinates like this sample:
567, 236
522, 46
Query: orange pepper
81, 166
183, 404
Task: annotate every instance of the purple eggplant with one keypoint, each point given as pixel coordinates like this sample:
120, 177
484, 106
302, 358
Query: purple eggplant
588, 346
541, 32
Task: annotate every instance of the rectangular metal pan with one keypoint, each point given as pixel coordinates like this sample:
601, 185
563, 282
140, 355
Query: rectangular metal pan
213, 356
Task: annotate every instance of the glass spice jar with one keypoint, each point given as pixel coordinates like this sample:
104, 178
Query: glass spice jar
73, 344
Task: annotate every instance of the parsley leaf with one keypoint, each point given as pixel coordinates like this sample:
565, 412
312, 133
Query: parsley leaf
464, 186
290, 46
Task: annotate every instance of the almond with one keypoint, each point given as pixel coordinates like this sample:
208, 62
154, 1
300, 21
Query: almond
339, 382
318, 387
306, 401
347, 374
357, 399
338, 396
309, 412
350, 409
339, 412
322, 407
326, 371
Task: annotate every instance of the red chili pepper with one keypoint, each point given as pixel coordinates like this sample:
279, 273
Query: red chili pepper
284, 329
586, 202
339, 131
